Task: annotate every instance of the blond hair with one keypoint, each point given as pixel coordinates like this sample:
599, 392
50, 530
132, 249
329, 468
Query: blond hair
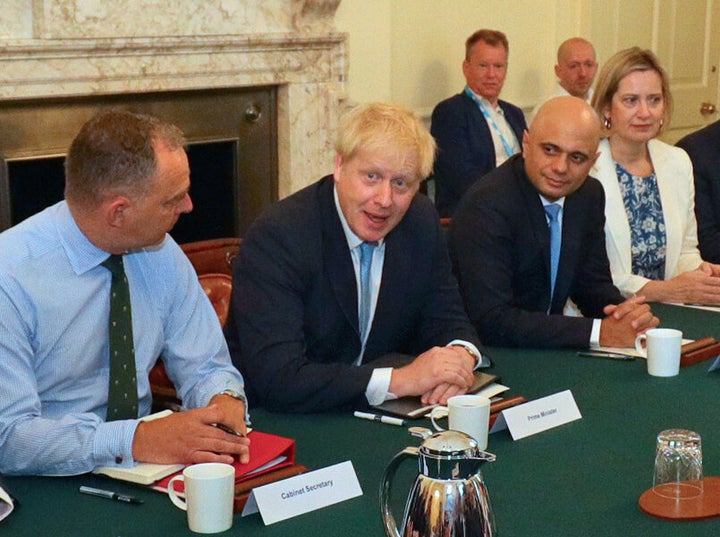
618, 67
388, 128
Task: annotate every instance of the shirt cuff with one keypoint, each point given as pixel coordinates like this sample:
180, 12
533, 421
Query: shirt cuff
112, 445
481, 361
595, 333
377, 390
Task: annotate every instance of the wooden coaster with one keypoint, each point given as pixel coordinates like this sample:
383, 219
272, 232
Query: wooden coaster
693, 507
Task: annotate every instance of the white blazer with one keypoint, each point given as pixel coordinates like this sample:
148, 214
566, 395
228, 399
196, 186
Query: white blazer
673, 170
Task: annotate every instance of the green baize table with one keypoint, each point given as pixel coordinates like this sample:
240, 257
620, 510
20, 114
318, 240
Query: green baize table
581, 479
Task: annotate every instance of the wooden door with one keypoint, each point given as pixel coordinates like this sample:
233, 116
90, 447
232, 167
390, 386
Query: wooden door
685, 34
688, 44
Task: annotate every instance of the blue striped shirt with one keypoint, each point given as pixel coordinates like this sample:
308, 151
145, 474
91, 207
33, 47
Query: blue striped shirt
54, 365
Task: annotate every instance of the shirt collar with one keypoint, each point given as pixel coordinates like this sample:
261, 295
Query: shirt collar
353, 240
82, 254
546, 202
487, 103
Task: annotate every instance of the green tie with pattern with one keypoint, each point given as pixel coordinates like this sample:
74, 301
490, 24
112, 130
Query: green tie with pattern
122, 392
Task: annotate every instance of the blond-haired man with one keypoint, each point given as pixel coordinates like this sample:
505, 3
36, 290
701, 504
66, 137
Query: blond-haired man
343, 293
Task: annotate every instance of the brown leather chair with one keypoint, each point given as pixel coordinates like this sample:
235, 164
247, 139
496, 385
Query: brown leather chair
213, 255
212, 260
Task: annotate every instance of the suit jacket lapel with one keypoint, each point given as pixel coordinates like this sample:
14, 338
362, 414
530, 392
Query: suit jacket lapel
569, 252
336, 256
538, 222
517, 129
395, 274
479, 125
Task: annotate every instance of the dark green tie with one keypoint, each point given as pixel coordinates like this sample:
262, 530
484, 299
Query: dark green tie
122, 392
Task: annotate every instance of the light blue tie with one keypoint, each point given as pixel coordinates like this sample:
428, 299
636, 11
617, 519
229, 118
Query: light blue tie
552, 211
366, 255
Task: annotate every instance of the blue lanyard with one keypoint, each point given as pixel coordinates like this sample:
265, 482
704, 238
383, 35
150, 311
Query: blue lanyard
508, 148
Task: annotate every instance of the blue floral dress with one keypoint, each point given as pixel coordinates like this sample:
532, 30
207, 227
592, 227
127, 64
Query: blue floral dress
643, 207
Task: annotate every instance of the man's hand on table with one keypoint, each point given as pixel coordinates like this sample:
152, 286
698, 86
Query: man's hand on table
189, 437
436, 375
625, 321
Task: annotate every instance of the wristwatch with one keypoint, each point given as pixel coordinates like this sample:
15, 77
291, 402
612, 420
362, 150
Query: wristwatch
469, 351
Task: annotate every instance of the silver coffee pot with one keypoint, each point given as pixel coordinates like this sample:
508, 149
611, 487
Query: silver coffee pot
449, 497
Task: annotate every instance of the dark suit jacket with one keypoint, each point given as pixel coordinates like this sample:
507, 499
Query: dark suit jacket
500, 244
703, 147
465, 147
293, 324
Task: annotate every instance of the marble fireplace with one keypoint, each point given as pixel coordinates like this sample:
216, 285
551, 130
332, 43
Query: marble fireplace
264, 77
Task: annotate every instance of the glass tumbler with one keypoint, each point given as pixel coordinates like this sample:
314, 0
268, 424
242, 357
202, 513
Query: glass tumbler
678, 465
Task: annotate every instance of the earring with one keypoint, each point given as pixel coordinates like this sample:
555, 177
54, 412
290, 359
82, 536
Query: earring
662, 121
607, 123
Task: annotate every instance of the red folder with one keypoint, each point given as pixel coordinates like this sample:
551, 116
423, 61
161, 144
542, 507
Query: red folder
264, 449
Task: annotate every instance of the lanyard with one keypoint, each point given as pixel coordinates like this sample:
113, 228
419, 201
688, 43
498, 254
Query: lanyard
508, 148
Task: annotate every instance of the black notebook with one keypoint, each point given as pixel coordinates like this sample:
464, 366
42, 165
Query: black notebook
412, 407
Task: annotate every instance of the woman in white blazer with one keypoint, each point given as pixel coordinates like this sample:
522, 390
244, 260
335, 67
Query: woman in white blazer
650, 227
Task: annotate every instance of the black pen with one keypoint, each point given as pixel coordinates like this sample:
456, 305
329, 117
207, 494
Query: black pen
110, 495
229, 430
608, 355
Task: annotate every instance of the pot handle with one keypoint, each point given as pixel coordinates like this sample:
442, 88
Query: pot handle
385, 489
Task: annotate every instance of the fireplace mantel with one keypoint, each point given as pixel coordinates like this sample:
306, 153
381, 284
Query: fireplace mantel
290, 44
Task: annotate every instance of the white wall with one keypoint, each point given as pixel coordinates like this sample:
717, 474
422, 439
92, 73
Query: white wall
410, 51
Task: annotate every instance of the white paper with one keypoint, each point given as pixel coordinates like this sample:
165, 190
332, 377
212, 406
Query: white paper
539, 415
304, 493
492, 390
6, 504
630, 351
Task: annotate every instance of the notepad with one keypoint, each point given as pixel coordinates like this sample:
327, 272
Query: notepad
7, 504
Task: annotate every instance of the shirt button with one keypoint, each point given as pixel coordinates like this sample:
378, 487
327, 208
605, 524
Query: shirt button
118, 460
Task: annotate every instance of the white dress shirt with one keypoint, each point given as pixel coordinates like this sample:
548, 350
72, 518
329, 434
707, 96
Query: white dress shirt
378, 389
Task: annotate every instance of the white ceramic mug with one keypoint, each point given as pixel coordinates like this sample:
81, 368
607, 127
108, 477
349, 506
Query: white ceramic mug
209, 491
469, 414
662, 352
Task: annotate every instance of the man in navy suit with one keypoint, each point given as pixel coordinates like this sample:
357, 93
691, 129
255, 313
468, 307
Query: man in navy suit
359, 237
703, 147
501, 243
475, 130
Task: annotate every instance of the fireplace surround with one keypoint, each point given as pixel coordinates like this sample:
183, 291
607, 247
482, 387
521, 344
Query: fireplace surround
72, 56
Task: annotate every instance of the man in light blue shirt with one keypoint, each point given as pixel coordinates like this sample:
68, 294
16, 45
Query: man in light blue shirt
127, 182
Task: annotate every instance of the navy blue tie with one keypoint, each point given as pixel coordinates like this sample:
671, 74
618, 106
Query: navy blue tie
122, 392
552, 211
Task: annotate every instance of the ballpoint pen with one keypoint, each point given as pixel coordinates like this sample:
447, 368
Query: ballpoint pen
608, 355
110, 495
378, 417
229, 430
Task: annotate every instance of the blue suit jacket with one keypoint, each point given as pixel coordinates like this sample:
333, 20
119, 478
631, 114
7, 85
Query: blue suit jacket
293, 324
703, 147
500, 244
465, 147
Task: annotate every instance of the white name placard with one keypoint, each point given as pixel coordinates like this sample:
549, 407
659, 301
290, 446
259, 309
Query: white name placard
304, 493
539, 415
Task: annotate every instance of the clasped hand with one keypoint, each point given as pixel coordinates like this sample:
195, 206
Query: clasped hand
625, 321
436, 375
